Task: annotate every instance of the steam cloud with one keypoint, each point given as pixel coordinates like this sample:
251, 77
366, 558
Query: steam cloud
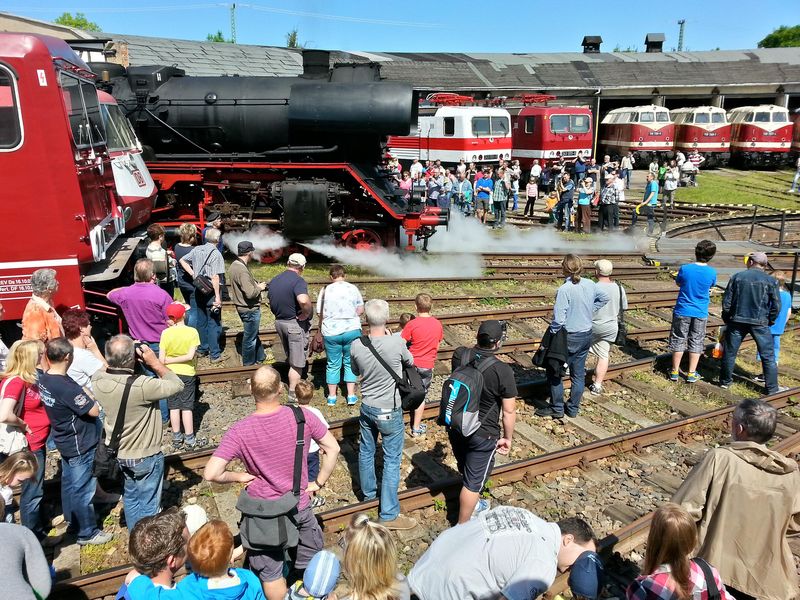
264, 240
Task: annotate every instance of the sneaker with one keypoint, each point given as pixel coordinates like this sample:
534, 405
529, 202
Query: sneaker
177, 441
217, 360
399, 523
482, 505
693, 377
331, 400
759, 379
98, 539
724, 386
596, 390
421, 430
674, 375
317, 501
548, 412
190, 443
352, 400
782, 388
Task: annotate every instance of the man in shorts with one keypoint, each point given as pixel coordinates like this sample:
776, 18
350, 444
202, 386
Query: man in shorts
290, 303
483, 195
605, 322
690, 315
475, 454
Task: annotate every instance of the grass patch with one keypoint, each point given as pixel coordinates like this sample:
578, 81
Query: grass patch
741, 187
494, 302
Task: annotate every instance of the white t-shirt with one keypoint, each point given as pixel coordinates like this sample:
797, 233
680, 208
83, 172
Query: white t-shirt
341, 299
84, 365
619, 183
536, 171
314, 446
604, 322
506, 550
415, 168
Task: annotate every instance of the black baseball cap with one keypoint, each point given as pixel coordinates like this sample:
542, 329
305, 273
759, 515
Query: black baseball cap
490, 332
586, 576
244, 247
211, 217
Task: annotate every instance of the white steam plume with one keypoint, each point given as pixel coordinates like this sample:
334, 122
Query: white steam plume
467, 235
264, 240
401, 265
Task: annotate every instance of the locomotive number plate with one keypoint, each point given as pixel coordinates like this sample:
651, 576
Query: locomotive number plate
656, 133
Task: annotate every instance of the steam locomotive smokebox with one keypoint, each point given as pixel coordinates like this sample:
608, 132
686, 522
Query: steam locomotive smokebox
305, 208
350, 109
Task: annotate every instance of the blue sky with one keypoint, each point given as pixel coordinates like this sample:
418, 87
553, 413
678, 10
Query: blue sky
440, 26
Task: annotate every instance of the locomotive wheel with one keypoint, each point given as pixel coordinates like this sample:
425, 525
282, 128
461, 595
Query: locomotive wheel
271, 256
362, 239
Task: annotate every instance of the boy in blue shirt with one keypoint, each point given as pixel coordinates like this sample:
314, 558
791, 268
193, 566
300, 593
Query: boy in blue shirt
690, 315
777, 329
648, 204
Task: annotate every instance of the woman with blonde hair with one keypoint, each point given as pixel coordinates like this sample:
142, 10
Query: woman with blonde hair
22, 410
188, 235
370, 562
669, 572
576, 302
14, 470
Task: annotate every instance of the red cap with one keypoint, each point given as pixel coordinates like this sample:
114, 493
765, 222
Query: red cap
176, 310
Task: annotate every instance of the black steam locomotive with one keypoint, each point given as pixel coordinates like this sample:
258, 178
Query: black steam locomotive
300, 155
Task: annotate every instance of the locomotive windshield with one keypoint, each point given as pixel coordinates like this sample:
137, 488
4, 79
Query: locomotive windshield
490, 126
762, 117
118, 129
702, 118
569, 123
779, 117
10, 127
662, 117
646, 117
718, 117
500, 126
83, 109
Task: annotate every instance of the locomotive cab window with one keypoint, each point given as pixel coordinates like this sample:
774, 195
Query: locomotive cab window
718, 117
83, 110
646, 117
118, 129
779, 117
748, 118
480, 126
559, 123
449, 125
662, 117
579, 123
702, 118
529, 124
500, 126
762, 117
10, 121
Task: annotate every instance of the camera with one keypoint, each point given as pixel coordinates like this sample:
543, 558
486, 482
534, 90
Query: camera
504, 327
139, 347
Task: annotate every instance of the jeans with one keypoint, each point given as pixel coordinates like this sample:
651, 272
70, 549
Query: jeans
189, 297
337, 349
77, 490
563, 212
606, 216
796, 181
626, 176
208, 325
162, 404
776, 344
30, 500
578, 347
734, 334
252, 349
650, 213
499, 214
389, 423
142, 491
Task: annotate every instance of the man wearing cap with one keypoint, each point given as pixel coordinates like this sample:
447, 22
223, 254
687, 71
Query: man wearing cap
508, 553
246, 297
290, 303
475, 454
751, 304
207, 261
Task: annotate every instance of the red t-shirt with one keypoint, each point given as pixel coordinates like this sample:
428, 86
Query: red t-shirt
425, 334
32, 413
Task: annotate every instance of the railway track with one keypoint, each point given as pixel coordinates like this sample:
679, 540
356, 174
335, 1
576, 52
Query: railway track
718, 224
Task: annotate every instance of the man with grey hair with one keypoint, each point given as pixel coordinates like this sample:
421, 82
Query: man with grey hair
139, 453
745, 499
381, 411
207, 261
751, 304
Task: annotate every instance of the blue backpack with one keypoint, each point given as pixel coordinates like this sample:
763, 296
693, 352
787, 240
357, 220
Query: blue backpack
461, 394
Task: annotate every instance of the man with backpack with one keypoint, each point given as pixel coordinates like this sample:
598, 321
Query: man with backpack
478, 390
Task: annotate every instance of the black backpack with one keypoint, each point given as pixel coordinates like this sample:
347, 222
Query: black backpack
461, 394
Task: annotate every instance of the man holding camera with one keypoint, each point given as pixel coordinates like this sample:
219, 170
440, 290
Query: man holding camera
475, 454
139, 453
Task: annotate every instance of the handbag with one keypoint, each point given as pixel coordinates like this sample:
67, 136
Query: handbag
12, 438
711, 583
317, 344
202, 283
272, 524
412, 392
622, 328
106, 465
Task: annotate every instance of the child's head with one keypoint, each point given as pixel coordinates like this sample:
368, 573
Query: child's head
370, 558
304, 391
321, 574
175, 312
405, 319
18, 467
423, 302
705, 251
210, 549
159, 542
553, 195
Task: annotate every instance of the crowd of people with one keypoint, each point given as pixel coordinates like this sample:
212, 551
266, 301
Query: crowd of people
567, 190
108, 410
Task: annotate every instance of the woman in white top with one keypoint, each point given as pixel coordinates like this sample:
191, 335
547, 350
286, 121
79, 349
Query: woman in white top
339, 307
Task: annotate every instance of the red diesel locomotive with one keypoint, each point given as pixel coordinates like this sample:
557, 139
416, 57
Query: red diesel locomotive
548, 133
761, 136
705, 129
647, 131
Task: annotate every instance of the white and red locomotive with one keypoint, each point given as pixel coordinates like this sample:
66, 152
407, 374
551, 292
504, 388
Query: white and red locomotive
705, 129
647, 131
761, 136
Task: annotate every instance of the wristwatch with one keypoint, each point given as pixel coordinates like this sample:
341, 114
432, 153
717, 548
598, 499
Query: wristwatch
319, 485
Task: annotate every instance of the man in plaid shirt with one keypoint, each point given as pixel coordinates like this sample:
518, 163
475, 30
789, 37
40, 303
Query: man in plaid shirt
499, 198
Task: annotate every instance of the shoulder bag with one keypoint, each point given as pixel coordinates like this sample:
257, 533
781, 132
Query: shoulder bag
272, 524
622, 328
412, 392
12, 438
106, 465
317, 344
711, 583
202, 283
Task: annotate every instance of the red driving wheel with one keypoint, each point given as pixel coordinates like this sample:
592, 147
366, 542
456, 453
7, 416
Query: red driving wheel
271, 256
362, 239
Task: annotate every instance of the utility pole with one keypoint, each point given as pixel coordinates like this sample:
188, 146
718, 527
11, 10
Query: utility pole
682, 24
233, 22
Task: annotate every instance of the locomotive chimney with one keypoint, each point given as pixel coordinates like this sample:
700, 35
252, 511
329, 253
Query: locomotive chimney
654, 42
316, 63
591, 44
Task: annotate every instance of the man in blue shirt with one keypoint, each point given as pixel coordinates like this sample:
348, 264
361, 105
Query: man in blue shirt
483, 194
690, 315
648, 204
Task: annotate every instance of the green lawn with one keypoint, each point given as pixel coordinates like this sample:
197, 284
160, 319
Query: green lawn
724, 186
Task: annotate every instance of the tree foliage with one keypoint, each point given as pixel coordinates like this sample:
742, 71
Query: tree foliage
292, 40
78, 20
782, 37
218, 37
